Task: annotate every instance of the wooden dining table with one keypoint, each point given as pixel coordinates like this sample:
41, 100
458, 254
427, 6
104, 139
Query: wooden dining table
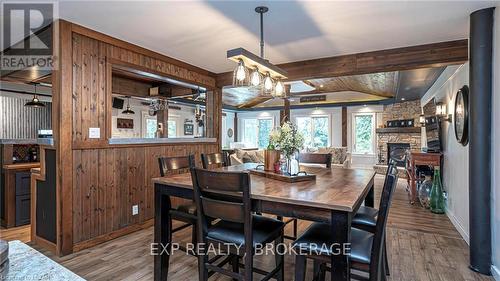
334, 197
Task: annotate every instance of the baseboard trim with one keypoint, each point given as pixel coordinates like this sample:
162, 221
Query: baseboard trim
112, 235
495, 271
456, 223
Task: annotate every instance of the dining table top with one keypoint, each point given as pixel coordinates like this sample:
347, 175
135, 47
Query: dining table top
334, 188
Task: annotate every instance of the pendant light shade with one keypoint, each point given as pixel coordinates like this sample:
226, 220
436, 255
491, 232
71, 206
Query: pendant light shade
35, 102
128, 110
268, 84
240, 76
279, 89
255, 77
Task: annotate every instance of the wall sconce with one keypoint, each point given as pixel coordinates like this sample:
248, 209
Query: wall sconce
421, 120
442, 113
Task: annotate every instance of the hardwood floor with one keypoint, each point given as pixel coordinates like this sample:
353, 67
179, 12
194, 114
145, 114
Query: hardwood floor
421, 245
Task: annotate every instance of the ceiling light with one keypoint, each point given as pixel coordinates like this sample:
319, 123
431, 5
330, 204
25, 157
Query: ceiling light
255, 77
321, 86
268, 83
35, 102
279, 89
402, 99
247, 60
128, 110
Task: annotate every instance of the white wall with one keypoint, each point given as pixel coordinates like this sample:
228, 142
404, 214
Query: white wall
495, 215
229, 124
456, 157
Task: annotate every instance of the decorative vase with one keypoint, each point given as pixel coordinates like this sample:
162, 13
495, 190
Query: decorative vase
437, 197
271, 157
424, 192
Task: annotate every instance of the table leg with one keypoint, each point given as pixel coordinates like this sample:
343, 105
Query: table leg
163, 234
370, 197
341, 229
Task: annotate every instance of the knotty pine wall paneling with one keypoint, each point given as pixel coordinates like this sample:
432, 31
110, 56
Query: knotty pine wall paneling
102, 182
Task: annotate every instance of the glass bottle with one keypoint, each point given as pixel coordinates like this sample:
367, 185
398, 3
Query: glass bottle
437, 197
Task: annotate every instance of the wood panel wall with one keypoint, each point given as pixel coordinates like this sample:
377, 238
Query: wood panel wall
102, 182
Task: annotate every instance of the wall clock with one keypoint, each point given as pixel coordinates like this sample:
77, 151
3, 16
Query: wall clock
230, 132
461, 115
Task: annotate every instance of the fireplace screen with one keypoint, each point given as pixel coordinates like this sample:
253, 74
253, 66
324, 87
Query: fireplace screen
396, 152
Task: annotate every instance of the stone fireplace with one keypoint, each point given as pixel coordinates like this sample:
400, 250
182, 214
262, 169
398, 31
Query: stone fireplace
394, 137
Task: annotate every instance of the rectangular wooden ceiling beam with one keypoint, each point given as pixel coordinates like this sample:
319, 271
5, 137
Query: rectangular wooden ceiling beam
422, 56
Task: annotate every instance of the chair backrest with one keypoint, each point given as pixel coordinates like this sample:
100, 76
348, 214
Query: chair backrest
316, 158
222, 195
390, 183
215, 158
175, 163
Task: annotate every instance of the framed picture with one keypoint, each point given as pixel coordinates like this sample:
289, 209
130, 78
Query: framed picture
188, 129
124, 123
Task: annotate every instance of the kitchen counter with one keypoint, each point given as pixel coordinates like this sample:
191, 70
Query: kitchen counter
160, 140
18, 141
21, 166
26, 263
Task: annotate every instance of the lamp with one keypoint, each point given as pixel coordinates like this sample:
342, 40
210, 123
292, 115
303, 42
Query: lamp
128, 110
268, 83
35, 102
240, 74
279, 89
441, 112
421, 119
255, 77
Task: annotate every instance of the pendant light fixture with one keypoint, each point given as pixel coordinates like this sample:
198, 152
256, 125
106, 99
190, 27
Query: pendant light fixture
263, 74
128, 110
35, 102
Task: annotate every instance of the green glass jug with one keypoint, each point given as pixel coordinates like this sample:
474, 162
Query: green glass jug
437, 197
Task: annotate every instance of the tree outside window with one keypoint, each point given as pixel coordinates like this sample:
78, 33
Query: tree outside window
315, 130
256, 131
172, 128
363, 133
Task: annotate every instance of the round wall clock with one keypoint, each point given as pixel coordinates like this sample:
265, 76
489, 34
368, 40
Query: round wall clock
461, 116
230, 132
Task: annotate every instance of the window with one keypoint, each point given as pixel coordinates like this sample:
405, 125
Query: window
172, 128
149, 126
315, 129
363, 133
256, 131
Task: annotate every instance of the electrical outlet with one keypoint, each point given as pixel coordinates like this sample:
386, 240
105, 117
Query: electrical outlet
135, 210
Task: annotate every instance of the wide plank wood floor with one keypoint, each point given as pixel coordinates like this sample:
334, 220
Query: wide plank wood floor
421, 245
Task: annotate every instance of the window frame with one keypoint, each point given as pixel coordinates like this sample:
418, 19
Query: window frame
311, 116
353, 133
243, 120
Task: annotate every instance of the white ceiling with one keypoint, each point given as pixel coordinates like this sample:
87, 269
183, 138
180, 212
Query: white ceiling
200, 32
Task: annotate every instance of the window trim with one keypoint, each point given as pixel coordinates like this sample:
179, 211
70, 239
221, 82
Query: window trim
257, 128
353, 133
328, 116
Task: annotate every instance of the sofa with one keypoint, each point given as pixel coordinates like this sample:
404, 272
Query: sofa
341, 158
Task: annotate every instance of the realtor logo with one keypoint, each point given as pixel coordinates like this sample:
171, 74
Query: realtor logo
27, 35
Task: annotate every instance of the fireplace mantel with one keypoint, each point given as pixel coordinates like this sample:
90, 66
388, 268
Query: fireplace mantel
398, 130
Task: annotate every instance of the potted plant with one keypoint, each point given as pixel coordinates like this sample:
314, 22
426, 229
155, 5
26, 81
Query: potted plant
289, 141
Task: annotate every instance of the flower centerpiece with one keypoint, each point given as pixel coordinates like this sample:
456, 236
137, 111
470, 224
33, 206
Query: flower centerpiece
272, 154
288, 141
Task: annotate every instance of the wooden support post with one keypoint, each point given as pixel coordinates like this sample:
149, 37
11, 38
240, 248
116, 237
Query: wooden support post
344, 126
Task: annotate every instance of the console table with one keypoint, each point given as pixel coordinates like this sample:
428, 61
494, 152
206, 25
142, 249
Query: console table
420, 158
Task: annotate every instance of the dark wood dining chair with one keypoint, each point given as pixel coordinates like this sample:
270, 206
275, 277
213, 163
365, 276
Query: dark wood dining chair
225, 197
183, 212
366, 218
316, 158
215, 158
366, 247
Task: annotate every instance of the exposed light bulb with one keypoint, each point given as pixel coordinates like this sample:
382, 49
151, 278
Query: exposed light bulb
279, 89
268, 83
241, 71
255, 77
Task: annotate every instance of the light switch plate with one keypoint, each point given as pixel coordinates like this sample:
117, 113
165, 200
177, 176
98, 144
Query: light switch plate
135, 210
94, 133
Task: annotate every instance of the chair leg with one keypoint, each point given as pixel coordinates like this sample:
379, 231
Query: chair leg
194, 238
386, 260
300, 268
235, 262
316, 268
248, 265
202, 269
295, 223
279, 258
